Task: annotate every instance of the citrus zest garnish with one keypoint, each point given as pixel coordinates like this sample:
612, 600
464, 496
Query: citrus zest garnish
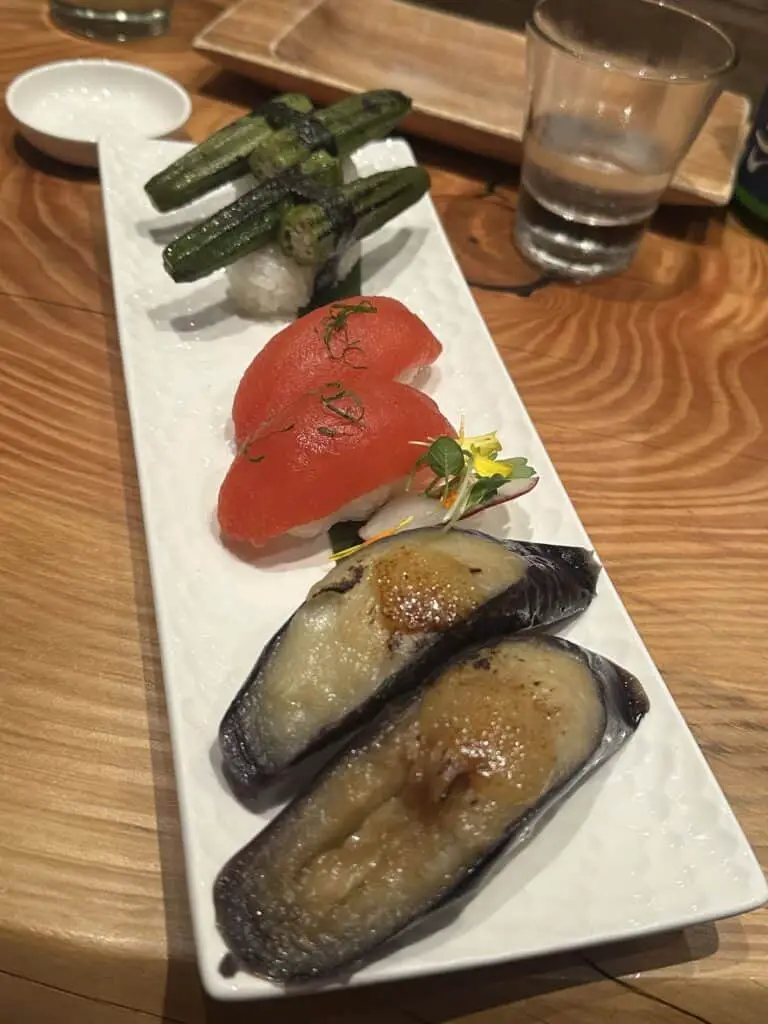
372, 540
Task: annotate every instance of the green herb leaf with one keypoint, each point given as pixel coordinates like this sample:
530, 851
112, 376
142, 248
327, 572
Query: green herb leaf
245, 452
353, 411
445, 457
520, 468
485, 489
336, 337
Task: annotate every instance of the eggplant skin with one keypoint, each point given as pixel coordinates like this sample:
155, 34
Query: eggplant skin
258, 894
559, 582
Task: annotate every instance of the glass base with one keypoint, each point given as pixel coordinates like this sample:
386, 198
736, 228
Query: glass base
118, 25
565, 248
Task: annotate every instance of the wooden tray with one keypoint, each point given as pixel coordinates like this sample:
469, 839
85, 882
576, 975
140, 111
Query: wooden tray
467, 78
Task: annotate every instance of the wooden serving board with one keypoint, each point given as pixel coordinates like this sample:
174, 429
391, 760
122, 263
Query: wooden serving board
467, 78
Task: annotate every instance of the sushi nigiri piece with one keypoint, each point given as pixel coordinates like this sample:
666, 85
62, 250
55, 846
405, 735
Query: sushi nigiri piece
349, 339
413, 813
371, 627
337, 450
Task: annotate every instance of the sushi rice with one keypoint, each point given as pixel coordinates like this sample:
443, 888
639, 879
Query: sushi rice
267, 283
360, 509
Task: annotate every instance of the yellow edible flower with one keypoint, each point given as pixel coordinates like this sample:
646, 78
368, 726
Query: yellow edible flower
481, 444
481, 448
483, 466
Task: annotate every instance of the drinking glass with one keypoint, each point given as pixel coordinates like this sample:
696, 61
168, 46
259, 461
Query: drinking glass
617, 94
116, 20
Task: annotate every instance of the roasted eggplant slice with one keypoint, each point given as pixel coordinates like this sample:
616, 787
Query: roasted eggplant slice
378, 620
413, 811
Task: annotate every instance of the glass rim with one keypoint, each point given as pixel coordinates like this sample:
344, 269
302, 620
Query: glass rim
649, 75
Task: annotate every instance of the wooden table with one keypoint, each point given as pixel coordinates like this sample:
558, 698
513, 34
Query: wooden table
650, 392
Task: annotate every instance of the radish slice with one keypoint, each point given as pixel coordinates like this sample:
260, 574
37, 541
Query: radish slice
419, 510
514, 489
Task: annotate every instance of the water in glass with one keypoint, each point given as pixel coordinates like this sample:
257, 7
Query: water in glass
617, 94
586, 193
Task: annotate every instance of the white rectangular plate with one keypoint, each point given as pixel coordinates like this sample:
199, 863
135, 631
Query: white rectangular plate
648, 844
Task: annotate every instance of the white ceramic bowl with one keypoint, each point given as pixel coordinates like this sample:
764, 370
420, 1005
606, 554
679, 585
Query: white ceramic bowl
64, 108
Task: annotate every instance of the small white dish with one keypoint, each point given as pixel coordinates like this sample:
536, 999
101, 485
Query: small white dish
64, 108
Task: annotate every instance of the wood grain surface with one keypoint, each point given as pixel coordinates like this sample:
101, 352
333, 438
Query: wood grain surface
466, 77
745, 21
650, 391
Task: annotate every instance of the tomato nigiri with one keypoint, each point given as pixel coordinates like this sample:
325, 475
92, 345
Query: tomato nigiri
335, 453
350, 339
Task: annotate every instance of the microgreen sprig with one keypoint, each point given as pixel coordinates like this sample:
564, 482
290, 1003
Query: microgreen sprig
335, 332
467, 475
468, 472
353, 409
